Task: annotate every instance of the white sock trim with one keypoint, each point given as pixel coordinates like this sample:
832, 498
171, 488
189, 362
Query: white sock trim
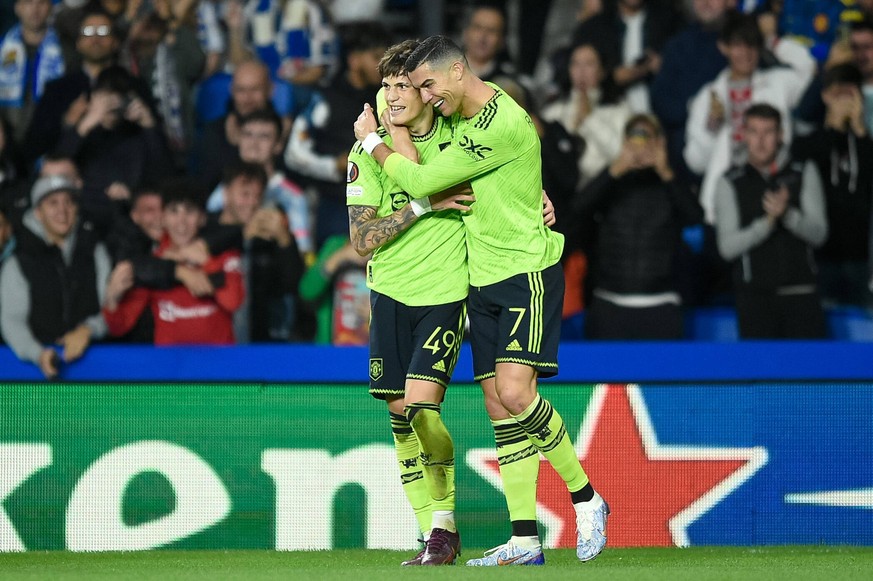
444, 519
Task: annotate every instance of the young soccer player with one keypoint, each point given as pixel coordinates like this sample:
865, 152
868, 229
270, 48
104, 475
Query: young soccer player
418, 281
516, 284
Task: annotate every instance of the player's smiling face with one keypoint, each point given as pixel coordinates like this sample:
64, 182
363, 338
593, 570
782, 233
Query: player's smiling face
435, 86
404, 102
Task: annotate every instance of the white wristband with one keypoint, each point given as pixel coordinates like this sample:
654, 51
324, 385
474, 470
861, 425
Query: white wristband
370, 142
420, 206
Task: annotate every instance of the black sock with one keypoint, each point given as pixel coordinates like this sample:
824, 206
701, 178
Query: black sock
584, 494
525, 528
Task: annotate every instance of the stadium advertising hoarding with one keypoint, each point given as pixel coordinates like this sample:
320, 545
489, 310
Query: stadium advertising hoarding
141, 466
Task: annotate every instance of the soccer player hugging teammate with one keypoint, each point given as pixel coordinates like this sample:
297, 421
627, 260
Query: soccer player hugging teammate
418, 281
516, 283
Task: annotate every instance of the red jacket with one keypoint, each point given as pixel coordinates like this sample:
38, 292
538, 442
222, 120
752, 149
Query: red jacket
180, 317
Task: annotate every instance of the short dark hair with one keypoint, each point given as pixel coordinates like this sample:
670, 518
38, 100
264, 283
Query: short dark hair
763, 111
437, 49
266, 115
843, 74
247, 170
115, 79
183, 190
145, 190
393, 62
743, 28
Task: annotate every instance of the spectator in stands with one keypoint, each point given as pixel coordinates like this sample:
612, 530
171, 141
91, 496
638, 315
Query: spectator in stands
770, 214
66, 99
320, 141
163, 50
590, 108
714, 133
116, 145
839, 150
31, 56
861, 44
272, 265
218, 149
141, 229
484, 40
336, 284
630, 35
180, 316
18, 193
68, 18
260, 143
642, 209
55, 280
690, 60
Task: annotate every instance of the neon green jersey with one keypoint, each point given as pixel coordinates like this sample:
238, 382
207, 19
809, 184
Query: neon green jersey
427, 263
498, 150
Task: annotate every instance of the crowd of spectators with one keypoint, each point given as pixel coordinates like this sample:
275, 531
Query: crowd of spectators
173, 171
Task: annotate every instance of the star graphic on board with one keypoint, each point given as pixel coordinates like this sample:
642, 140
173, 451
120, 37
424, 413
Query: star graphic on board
655, 491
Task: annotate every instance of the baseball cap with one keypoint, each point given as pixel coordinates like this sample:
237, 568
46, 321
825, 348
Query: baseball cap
50, 184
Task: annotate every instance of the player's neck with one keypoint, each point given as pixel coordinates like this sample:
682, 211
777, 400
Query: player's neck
475, 97
423, 124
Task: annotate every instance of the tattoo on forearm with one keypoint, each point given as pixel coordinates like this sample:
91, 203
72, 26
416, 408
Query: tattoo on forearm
369, 232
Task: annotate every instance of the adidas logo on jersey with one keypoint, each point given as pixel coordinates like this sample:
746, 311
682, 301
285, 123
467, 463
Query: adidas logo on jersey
439, 366
514, 346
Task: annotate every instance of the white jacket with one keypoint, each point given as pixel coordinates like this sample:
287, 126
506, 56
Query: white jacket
602, 130
709, 153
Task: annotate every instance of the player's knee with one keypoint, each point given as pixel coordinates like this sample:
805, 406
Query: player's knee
413, 410
514, 400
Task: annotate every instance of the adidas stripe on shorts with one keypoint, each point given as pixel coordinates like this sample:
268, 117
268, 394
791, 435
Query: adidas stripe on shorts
412, 342
517, 320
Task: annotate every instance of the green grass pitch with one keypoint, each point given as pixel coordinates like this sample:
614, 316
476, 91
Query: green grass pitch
791, 563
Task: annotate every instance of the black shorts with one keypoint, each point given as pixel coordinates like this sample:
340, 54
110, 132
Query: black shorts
517, 320
412, 343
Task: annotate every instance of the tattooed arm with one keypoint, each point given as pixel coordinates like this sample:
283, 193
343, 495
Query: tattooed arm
368, 232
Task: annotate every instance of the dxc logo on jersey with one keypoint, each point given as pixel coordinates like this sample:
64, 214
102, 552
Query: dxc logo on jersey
399, 200
473, 149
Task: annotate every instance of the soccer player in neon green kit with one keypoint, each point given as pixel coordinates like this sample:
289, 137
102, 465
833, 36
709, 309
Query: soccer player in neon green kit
419, 283
516, 283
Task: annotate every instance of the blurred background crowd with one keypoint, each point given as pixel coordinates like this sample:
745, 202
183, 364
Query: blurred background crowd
173, 171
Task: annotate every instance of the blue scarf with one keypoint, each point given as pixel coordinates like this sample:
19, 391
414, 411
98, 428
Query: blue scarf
49, 65
292, 30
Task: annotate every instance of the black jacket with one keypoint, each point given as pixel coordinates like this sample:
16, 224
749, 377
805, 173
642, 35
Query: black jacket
61, 297
844, 163
639, 224
782, 259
